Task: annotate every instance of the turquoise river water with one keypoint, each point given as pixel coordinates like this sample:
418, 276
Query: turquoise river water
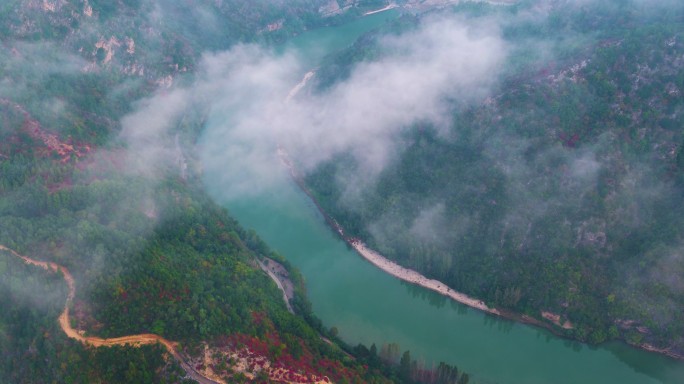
368, 306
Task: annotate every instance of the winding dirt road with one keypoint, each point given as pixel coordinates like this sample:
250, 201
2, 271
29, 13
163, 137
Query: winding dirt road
134, 340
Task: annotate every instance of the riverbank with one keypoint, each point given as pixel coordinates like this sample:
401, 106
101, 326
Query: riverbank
550, 323
394, 269
387, 8
295, 90
278, 274
416, 278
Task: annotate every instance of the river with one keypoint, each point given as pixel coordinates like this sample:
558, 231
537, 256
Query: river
368, 306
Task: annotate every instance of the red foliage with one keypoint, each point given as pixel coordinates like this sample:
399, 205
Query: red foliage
569, 141
258, 317
66, 151
305, 369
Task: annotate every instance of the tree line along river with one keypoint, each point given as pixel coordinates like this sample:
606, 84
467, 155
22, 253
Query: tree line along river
368, 306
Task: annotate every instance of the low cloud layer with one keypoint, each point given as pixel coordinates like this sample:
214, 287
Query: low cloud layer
252, 115
150, 148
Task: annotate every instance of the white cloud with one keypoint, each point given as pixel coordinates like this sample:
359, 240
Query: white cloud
445, 58
146, 132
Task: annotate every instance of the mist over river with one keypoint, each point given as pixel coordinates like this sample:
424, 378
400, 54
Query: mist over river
368, 306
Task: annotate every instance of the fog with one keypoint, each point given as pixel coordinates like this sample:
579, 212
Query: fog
260, 100
418, 75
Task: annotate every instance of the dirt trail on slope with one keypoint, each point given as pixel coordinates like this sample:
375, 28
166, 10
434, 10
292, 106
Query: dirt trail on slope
134, 340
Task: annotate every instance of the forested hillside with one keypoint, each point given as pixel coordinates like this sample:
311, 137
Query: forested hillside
561, 191
90, 181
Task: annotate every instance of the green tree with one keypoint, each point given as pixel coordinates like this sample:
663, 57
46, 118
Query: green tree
405, 366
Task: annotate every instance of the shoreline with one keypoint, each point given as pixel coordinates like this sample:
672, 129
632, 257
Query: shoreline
295, 90
413, 277
279, 283
387, 8
396, 270
416, 278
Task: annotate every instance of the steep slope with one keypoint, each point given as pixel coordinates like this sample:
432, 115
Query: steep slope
559, 195
91, 183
